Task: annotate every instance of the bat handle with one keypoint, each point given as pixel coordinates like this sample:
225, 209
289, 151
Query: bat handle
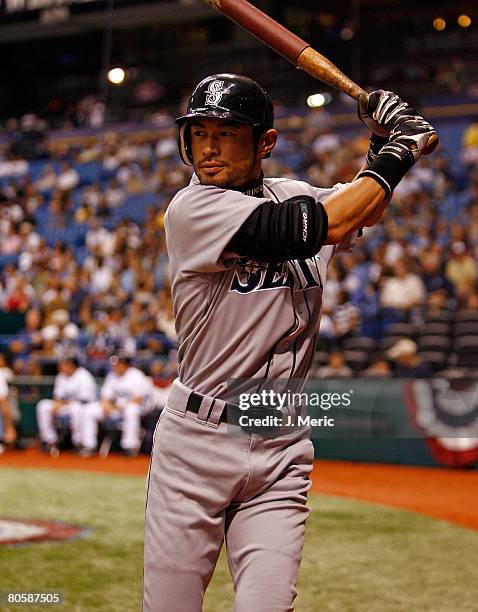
431, 145
318, 66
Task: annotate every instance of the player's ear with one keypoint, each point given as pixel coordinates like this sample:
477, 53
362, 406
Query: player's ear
267, 142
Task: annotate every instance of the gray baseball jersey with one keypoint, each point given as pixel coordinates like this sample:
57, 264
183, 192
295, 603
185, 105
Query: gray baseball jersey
239, 317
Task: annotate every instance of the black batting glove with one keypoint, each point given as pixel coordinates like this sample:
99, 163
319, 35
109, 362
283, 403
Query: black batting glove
405, 146
380, 110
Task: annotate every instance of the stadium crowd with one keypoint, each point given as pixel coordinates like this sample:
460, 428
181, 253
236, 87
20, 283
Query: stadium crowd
84, 269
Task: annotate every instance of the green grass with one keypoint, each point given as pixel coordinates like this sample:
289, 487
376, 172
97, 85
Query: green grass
358, 557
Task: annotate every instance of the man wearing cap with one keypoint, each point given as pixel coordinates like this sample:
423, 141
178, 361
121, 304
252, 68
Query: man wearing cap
407, 363
123, 396
73, 389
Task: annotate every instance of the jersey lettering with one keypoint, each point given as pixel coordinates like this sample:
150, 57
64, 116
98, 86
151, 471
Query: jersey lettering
310, 272
253, 275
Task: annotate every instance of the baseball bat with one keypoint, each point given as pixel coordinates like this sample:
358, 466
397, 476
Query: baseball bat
293, 49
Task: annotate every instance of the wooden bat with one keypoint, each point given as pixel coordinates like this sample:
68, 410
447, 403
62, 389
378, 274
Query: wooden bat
293, 49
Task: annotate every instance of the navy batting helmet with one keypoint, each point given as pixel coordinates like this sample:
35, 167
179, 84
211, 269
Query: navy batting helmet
226, 96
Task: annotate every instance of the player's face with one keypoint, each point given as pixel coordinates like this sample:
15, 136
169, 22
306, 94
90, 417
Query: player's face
120, 368
224, 152
66, 367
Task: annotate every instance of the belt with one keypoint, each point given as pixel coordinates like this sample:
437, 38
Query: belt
232, 414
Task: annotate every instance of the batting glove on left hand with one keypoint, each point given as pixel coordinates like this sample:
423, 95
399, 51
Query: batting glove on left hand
376, 144
410, 134
406, 144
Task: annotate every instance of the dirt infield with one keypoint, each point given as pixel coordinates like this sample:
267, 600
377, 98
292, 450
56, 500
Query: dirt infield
446, 494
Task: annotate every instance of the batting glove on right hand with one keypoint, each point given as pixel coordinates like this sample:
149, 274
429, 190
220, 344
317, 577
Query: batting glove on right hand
380, 110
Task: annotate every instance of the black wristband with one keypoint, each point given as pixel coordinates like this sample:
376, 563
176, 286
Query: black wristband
376, 144
390, 166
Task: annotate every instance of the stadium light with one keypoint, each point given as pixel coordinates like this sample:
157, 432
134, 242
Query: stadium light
317, 100
439, 24
116, 76
464, 21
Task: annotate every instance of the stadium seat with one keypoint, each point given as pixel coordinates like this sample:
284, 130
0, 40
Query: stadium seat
466, 348
438, 316
435, 329
320, 358
89, 172
434, 343
401, 330
357, 360
359, 343
467, 328
436, 359
466, 316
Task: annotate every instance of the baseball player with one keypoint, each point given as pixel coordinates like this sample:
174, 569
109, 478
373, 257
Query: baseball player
123, 396
73, 389
249, 257
8, 433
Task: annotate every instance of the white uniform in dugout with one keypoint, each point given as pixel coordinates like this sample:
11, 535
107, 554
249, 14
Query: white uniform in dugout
71, 393
122, 396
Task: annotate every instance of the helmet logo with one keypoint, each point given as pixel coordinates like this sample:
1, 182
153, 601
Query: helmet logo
215, 92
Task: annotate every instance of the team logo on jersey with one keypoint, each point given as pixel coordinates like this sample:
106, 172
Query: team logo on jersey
251, 275
215, 91
446, 411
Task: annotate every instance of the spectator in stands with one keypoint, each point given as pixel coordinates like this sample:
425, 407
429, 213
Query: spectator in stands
470, 143
380, 368
13, 166
346, 317
47, 180
73, 390
114, 194
19, 296
5, 369
402, 291
407, 364
29, 139
160, 375
337, 368
8, 433
164, 315
123, 397
60, 328
12, 242
67, 179
433, 276
461, 269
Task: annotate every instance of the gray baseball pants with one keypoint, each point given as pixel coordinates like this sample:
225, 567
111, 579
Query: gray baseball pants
207, 484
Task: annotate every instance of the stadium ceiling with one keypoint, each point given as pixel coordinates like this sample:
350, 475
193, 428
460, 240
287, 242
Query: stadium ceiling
36, 19
40, 19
